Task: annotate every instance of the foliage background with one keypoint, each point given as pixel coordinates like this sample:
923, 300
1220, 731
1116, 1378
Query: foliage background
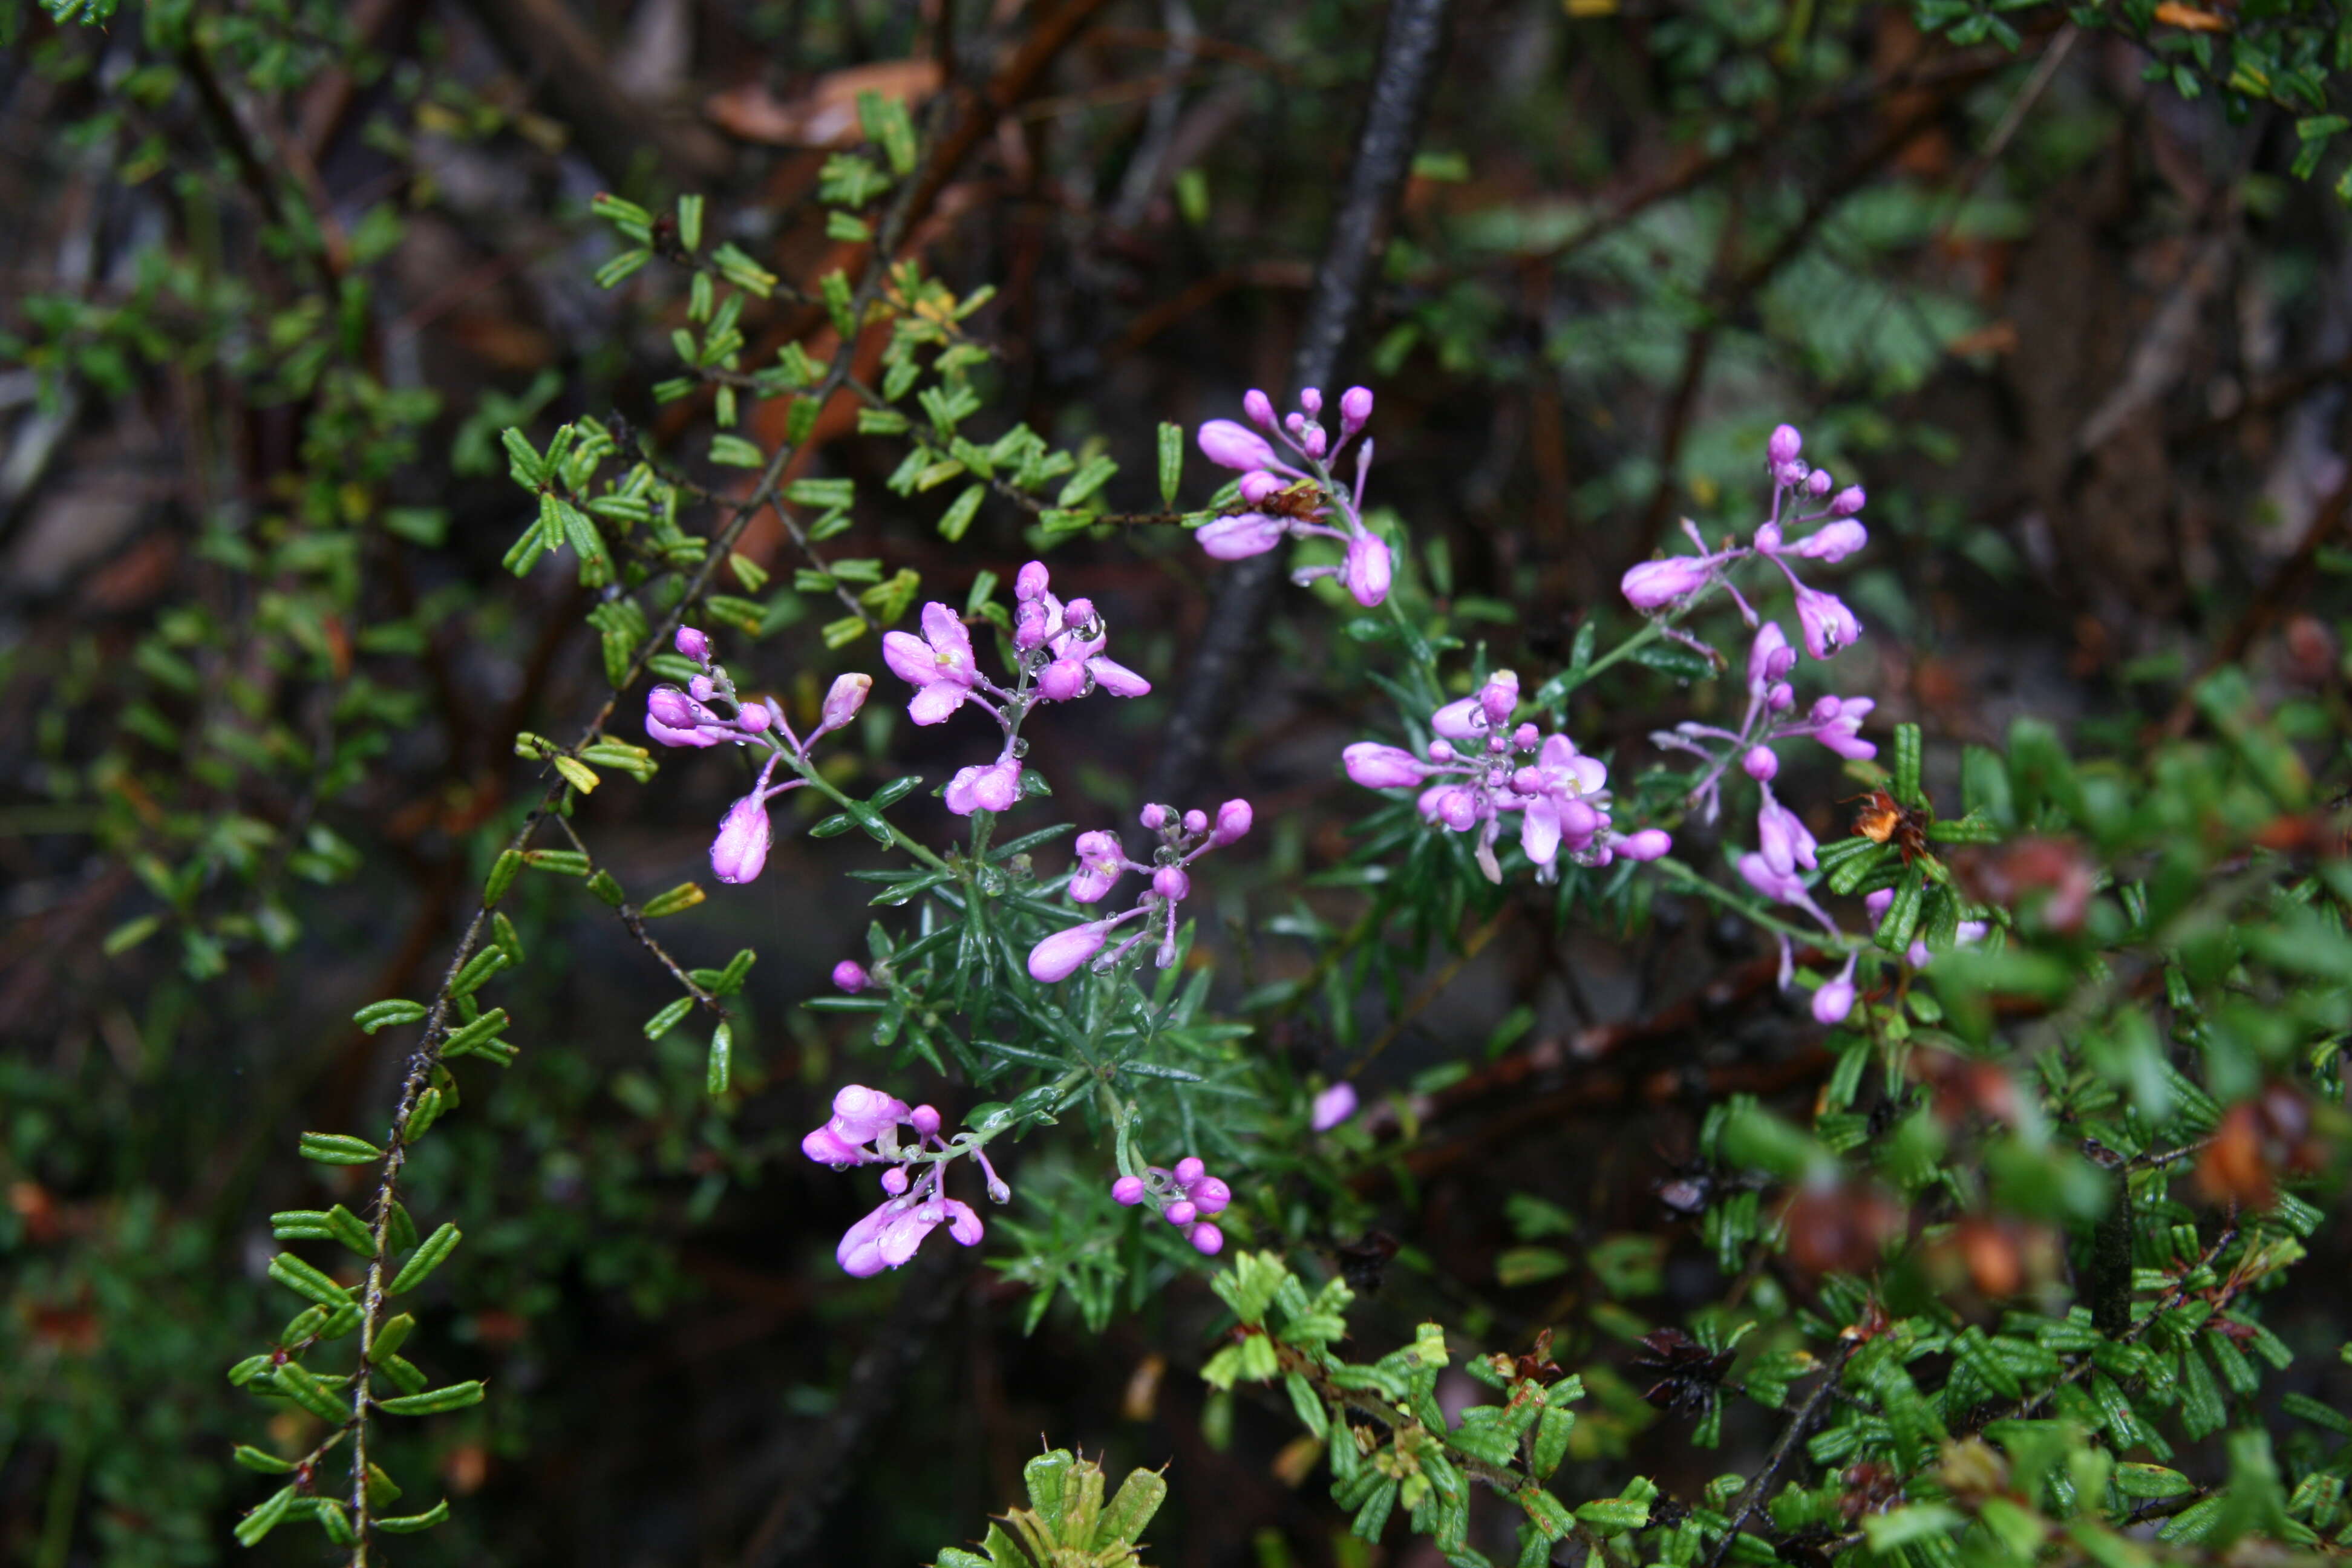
279, 274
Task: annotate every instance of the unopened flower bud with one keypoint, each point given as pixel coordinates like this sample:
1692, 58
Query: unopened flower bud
1191, 1168
1819, 481
672, 707
1196, 821
844, 698
740, 849
1314, 440
693, 644
1207, 1239
1332, 1106
850, 975
1181, 1212
1781, 698
1257, 484
1259, 407
700, 687
1232, 446
1847, 501
1310, 398
1059, 956
1646, 845
1062, 681
1834, 1000
1030, 582
1762, 763
1355, 408
1366, 570
924, 1119
1376, 767
1171, 883
1209, 1196
894, 1180
1784, 445
1525, 738
1128, 1191
1234, 819
1653, 584
755, 718
1153, 817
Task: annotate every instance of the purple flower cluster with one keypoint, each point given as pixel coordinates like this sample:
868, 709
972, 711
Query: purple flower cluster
1060, 652
1102, 861
863, 1130
1482, 768
1185, 1197
1834, 722
1662, 585
709, 712
1309, 494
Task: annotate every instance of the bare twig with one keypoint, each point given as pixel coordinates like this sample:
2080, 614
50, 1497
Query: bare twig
1799, 1427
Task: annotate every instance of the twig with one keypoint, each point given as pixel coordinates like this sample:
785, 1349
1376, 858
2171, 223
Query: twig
1399, 95
614, 131
1799, 1427
631, 917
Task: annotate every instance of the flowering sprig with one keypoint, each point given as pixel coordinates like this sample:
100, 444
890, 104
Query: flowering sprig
1482, 768
1296, 498
1185, 1195
1834, 722
1664, 586
1058, 650
709, 712
1102, 861
864, 1130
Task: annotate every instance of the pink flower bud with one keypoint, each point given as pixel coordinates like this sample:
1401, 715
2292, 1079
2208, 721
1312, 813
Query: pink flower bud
1153, 817
1314, 441
843, 698
850, 975
1030, 582
693, 644
826, 1146
1500, 696
1875, 905
1355, 408
1259, 407
1234, 819
1062, 680
1525, 738
1332, 1106
924, 1119
1191, 1168
672, 707
1207, 1239
1457, 808
1647, 845
1257, 484
1310, 398
1209, 1196
1232, 446
1781, 697
1835, 542
1196, 822
1834, 1000
1848, 501
700, 687
753, 718
1366, 570
1171, 883
1128, 1191
1057, 957
894, 1180
1762, 763
1240, 536
1376, 767
1784, 445
1818, 482
740, 849
1653, 584
1181, 1212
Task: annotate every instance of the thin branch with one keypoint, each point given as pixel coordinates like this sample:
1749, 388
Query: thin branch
1799, 1427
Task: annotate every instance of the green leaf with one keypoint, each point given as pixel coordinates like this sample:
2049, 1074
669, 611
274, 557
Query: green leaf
959, 514
425, 1258
663, 1022
456, 1396
715, 1073
1172, 461
339, 1148
297, 1384
264, 1517
253, 1458
1906, 784
409, 1525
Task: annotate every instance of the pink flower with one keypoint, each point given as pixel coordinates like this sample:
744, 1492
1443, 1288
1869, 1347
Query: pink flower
1655, 584
1332, 1106
938, 665
1057, 957
740, 849
1376, 767
1828, 625
1782, 837
890, 1236
984, 786
1232, 446
1834, 1000
1100, 863
1836, 722
1367, 569
1769, 661
863, 1114
1031, 582
1649, 844
828, 1147
1240, 536
1568, 802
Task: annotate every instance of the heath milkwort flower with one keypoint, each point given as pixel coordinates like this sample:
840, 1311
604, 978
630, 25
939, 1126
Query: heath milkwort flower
1058, 650
863, 1130
1669, 583
1299, 498
709, 712
1102, 861
1482, 767
1185, 1196
1834, 722
1332, 1106
1777, 869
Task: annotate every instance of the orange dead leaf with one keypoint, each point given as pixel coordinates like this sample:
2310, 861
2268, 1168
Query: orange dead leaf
2189, 18
826, 115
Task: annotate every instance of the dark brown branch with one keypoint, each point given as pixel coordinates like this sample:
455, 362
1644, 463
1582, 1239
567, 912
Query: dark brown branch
1801, 1426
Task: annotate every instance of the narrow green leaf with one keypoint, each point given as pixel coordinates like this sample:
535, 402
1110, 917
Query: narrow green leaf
723, 1048
456, 1396
426, 1259
339, 1148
